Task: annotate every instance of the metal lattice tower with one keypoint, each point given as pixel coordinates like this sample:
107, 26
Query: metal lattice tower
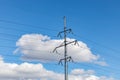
66, 58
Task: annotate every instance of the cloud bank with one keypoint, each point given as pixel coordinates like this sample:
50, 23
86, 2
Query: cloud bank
30, 71
40, 47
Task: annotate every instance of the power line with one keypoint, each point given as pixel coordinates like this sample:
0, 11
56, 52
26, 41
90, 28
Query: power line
109, 48
66, 57
13, 35
87, 39
103, 69
17, 23
12, 22
32, 41
32, 26
23, 31
75, 35
101, 46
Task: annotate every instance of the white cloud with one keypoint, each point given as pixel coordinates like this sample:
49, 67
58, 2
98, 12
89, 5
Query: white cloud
26, 71
29, 71
38, 47
102, 63
82, 71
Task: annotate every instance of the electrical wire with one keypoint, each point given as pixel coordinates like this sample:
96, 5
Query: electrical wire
15, 39
99, 44
32, 26
15, 47
52, 30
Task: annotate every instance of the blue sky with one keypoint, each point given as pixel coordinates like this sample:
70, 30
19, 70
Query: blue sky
94, 22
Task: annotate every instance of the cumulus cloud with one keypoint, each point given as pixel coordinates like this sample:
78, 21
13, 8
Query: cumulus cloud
26, 71
39, 47
30, 71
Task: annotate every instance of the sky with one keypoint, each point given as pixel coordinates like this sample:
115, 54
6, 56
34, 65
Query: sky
28, 36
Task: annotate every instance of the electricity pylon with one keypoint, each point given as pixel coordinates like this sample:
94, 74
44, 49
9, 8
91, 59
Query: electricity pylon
66, 58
